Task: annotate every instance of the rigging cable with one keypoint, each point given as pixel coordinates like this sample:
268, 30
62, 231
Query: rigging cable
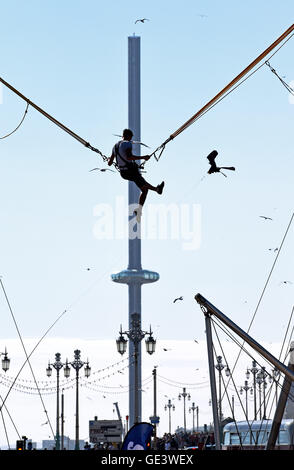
266, 284
55, 121
13, 423
226, 90
5, 429
45, 334
22, 120
26, 354
285, 84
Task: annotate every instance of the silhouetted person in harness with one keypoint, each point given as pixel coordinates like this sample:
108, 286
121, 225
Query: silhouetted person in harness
129, 170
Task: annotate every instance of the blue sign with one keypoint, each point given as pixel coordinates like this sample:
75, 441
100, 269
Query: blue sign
138, 437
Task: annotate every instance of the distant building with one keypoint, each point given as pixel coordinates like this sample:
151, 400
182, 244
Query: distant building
69, 444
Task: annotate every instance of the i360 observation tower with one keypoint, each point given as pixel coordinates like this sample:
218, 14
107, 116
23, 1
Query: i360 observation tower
134, 276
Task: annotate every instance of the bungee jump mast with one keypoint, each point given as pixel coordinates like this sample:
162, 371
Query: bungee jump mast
134, 276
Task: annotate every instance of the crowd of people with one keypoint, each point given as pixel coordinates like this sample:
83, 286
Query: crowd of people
177, 441
181, 440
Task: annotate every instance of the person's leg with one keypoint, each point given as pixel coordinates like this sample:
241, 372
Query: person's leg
143, 195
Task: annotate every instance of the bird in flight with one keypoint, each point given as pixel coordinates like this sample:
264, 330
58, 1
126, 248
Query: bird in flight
142, 20
196, 342
102, 169
165, 349
286, 282
273, 249
265, 218
178, 298
215, 169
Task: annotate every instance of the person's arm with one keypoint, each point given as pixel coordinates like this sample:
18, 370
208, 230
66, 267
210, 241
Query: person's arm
131, 157
110, 160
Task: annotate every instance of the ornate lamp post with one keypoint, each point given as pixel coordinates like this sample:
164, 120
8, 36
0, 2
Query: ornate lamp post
261, 380
245, 387
170, 407
135, 334
185, 395
77, 364
5, 361
57, 365
254, 371
194, 408
219, 367
275, 377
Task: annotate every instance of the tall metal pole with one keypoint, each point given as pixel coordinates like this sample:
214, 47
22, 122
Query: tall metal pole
57, 366
212, 383
77, 443
254, 372
185, 427
136, 384
57, 413
62, 420
197, 418
154, 401
134, 105
134, 276
274, 432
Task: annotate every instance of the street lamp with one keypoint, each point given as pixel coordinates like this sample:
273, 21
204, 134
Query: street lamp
5, 361
194, 408
261, 380
185, 395
77, 364
245, 387
57, 366
170, 407
135, 334
253, 371
275, 377
219, 367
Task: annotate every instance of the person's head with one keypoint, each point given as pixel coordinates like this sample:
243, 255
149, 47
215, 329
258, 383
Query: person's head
127, 134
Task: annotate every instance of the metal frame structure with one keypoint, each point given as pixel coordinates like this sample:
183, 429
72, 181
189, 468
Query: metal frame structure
209, 309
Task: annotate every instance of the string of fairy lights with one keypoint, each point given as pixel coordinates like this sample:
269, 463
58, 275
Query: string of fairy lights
49, 387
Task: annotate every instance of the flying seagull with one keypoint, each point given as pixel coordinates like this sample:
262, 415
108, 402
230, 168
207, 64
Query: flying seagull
165, 349
286, 282
215, 169
102, 169
178, 298
265, 218
273, 249
141, 20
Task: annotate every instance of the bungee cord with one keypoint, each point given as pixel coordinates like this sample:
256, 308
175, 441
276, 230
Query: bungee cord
231, 86
228, 88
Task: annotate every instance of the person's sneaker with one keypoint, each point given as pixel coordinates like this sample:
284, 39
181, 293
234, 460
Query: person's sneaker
138, 213
160, 188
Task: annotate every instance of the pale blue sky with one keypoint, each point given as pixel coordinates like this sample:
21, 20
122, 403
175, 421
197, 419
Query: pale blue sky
71, 59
